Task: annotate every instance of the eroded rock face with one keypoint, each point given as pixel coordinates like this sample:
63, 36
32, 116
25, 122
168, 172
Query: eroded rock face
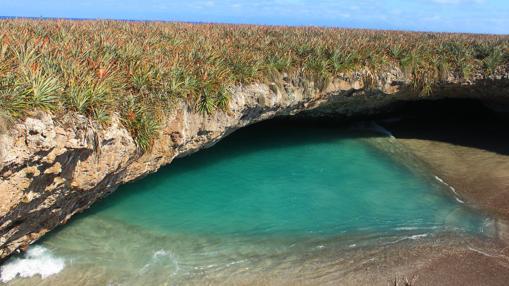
52, 168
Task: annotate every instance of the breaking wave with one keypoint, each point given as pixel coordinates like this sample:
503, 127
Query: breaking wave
37, 260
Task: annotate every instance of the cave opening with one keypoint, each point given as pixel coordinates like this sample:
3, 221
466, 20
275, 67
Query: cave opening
481, 124
464, 122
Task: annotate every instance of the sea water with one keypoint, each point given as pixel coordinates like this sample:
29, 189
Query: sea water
269, 199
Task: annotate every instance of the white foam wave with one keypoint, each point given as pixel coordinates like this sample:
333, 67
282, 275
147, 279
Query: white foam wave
373, 126
161, 257
456, 195
488, 254
407, 228
439, 179
160, 253
37, 260
380, 129
418, 236
411, 237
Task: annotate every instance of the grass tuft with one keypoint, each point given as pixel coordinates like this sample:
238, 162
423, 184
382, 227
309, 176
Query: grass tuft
139, 70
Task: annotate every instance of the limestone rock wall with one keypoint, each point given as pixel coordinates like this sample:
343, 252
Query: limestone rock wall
51, 168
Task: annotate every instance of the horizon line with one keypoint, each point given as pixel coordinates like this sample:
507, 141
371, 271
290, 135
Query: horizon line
246, 24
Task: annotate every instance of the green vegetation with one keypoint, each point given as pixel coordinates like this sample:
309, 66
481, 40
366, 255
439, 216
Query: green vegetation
139, 70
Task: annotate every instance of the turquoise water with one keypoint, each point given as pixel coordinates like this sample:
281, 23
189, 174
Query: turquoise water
282, 182
273, 196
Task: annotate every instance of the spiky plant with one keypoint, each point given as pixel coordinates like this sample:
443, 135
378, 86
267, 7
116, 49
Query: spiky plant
99, 68
493, 60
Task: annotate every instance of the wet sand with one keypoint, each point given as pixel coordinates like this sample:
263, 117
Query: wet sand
469, 151
448, 260
438, 260
481, 179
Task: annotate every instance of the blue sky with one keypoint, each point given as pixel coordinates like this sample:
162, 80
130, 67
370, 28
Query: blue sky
477, 16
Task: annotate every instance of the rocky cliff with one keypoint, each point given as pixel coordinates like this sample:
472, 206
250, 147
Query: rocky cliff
51, 168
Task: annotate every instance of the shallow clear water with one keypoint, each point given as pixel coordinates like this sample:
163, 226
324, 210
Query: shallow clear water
266, 199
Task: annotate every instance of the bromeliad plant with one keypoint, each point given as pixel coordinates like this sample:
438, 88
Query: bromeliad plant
140, 69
